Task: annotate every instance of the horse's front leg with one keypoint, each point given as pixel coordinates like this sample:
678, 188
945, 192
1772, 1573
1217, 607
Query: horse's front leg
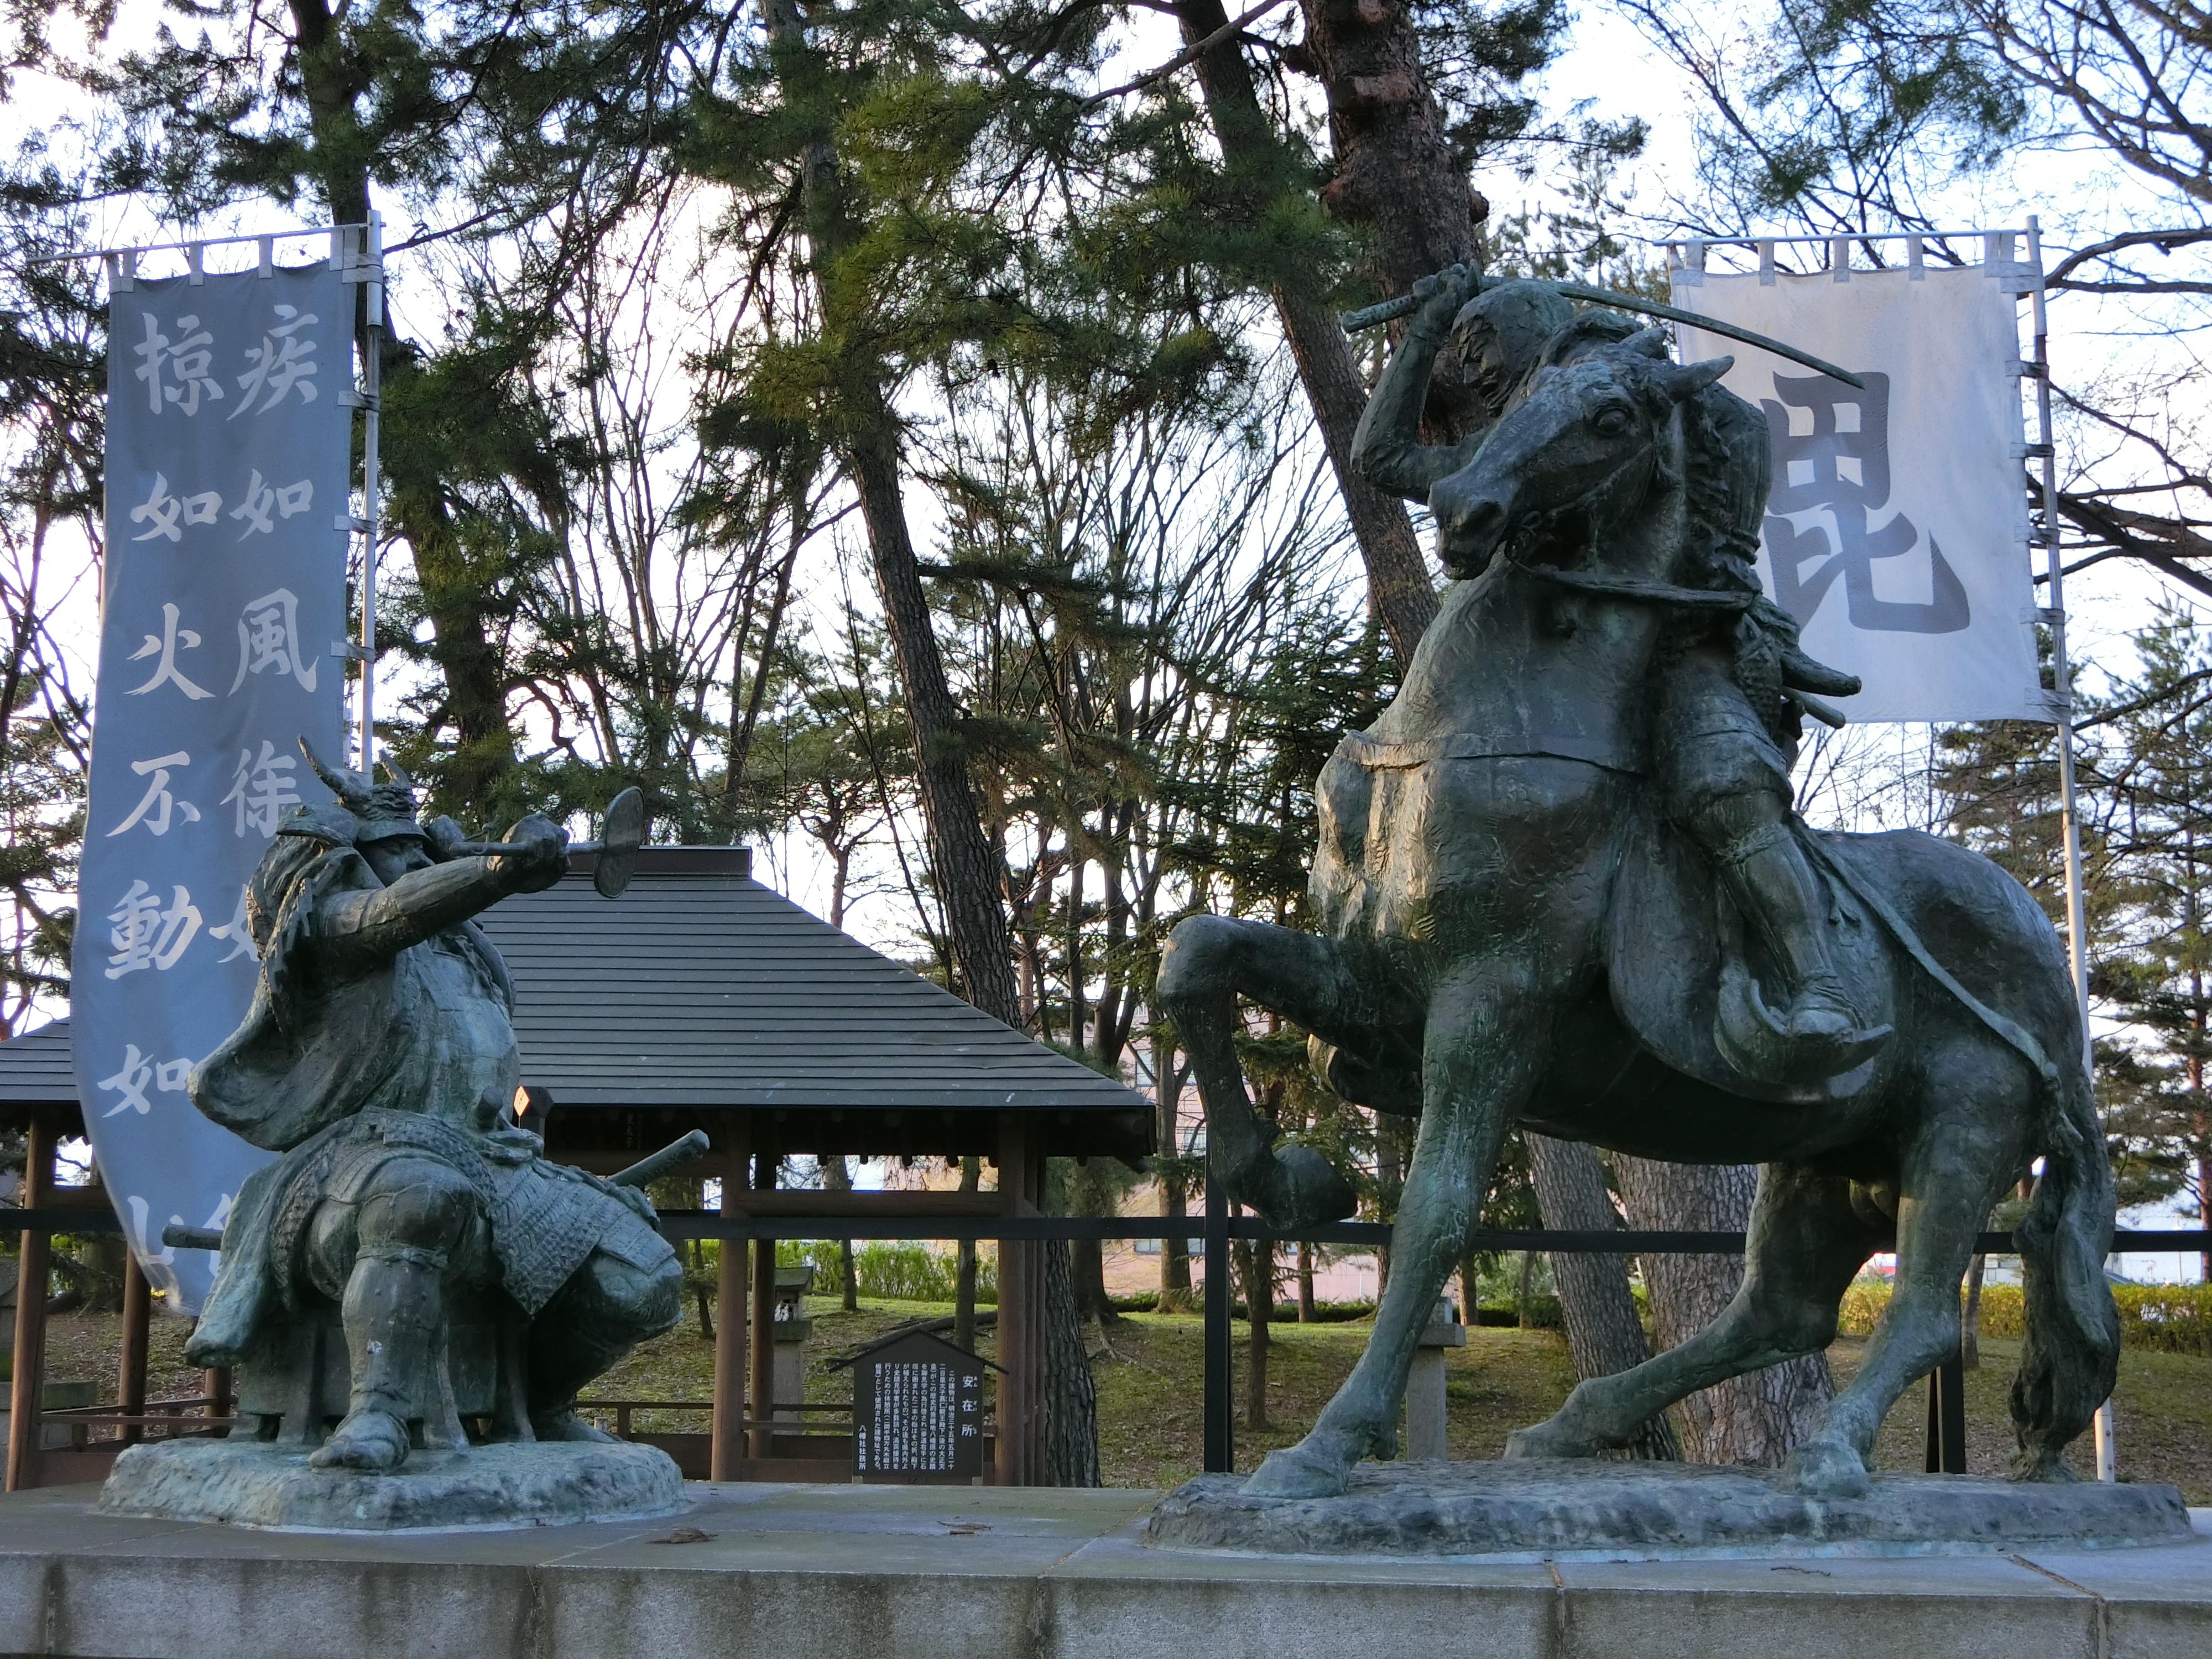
1208, 962
1487, 1032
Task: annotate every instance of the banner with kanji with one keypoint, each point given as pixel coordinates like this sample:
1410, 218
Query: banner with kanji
1897, 531
228, 450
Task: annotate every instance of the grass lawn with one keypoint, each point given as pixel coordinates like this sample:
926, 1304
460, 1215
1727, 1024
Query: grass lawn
1148, 1371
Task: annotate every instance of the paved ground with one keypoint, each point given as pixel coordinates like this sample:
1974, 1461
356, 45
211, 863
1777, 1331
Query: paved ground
852, 1572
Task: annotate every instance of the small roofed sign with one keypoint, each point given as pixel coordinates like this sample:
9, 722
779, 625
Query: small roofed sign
917, 1410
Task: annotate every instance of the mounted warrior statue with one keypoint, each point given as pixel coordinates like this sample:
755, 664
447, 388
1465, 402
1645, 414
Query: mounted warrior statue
378, 1058
1559, 883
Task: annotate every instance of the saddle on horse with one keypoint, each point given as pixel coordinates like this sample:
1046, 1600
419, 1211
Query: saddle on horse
1700, 988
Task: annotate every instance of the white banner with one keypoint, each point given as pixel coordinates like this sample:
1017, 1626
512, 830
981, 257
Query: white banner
1897, 531
229, 446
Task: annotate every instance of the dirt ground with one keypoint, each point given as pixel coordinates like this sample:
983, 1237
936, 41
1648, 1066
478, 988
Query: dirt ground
1147, 1370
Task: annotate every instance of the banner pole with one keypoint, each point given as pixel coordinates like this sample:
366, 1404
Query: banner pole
2054, 615
372, 379
2070, 817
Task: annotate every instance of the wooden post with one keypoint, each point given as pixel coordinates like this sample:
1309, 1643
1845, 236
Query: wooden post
1215, 1388
760, 1335
218, 1390
26, 1392
723, 1441
137, 1318
1947, 1418
1020, 1290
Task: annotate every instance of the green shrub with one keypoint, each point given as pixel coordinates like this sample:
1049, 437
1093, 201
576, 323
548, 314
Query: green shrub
2161, 1318
898, 1271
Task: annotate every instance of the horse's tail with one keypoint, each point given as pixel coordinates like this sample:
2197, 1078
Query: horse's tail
2071, 1352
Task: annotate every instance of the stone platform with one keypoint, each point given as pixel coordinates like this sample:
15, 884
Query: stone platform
885, 1572
247, 1484
1561, 1510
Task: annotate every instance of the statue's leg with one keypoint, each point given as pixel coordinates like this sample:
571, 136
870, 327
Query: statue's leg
401, 1235
1488, 1029
1963, 1156
1806, 1243
1208, 963
1728, 783
607, 1309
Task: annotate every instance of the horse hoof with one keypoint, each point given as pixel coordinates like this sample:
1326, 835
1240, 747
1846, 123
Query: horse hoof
1295, 1472
1304, 1190
1821, 1469
1543, 1440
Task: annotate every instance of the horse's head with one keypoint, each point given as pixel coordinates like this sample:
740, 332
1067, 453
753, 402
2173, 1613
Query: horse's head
1575, 456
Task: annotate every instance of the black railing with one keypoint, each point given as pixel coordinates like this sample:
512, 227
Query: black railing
1214, 1227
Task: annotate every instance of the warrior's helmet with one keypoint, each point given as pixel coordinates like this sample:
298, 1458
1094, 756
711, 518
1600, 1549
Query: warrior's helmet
384, 811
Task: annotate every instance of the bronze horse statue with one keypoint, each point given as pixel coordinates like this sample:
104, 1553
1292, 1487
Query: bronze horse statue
1511, 931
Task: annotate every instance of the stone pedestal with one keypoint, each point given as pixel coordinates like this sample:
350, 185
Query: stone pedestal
1566, 1509
253, 1484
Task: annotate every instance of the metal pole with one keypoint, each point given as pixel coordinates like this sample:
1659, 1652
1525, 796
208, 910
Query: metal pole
2054, 617
2054, 614
1220, 1418
372, 369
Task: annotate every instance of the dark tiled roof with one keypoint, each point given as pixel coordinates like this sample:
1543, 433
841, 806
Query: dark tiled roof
34, 1068
701, 988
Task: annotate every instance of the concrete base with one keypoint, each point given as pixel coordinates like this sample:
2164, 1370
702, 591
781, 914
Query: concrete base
248, 1484
884, 1572
1540, 1509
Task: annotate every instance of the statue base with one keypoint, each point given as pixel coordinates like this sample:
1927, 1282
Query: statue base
248, 1483
1570, 1508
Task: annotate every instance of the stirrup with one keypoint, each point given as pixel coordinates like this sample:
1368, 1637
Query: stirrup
1768, 1046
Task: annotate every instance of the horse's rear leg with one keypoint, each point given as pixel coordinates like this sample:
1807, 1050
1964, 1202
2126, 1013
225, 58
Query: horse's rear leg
1805, 1244
1208, 962
1963, 1155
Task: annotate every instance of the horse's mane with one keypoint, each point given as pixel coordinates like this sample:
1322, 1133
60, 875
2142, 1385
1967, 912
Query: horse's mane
1727, 469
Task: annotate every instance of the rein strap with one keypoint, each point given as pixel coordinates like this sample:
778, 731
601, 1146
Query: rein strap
1635, 587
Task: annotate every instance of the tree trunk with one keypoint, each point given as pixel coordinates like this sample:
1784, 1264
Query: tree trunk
1399, 586
963, 1271
1389, 1179
1604, 1335
416, 499
1070, 1399
1175, 1260
1969, 1319
1307, 1312
837, 1177
1395, 174
1757, 1419
1255, 1265
967, 870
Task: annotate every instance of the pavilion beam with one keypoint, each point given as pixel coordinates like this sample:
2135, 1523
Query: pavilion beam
34, 1260
724, 1446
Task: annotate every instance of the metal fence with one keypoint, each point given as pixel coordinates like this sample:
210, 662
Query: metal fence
1215, 1227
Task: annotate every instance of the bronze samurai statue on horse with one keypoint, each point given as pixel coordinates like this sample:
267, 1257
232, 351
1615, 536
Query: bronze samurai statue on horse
1560, 884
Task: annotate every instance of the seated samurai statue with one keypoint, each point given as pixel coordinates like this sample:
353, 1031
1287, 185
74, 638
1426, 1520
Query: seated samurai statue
379, 1059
